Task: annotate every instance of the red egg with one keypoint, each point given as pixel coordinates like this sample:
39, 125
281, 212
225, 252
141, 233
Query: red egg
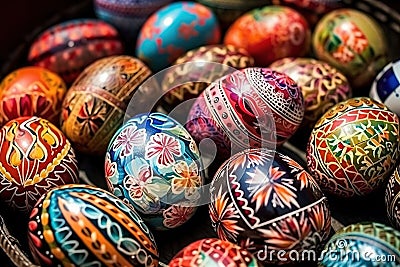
35, 157
31, 91
270, 33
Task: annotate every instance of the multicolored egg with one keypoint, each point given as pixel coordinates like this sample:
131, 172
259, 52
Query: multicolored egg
270, 33
81, 225
67, 48
94, 106
392, 198
173, 30
322, 85
153, 163
354, 147
246, 108
363, 244
352, 42
213, 252
127, 16
31, 91
203, 74
35, 157
386, 87
267, 202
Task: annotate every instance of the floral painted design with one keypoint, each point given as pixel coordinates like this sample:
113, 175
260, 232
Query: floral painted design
91, 116
129, 138
163, 147
187, 180
111, 172
224, 217
177, 215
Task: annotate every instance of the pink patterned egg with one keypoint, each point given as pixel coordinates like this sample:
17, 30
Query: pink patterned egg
244, 108
268, 203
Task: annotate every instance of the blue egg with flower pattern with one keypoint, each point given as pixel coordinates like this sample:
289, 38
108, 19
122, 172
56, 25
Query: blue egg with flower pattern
153, 163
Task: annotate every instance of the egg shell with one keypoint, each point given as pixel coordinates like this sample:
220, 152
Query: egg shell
386, 86
352, 42
173, 30
392, 198
35, 157
232, 110
213, 252
78, 225
153, 163
363, 244
67, 48
270, 33
31, 91
354, 147
227, 55
322, 85
264, 200
127, 16
94, 106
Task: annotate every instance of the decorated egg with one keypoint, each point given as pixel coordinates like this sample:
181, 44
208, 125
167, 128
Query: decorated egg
127, 16
94, 106
173, 30
153, 163
31, 91
392, 198
213, 252
81, 225
35, 157
202, 74
67, 48
386, 87
270, 33
354, 147
266, 203
322, 85
362, 244
247, 109
228, 11
352, 42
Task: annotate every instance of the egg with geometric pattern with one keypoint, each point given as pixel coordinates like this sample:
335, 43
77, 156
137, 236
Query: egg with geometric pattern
354, 147
82, 225
386, 87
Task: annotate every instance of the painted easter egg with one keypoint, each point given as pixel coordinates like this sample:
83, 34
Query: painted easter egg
228, 11
352, 42
246, 108
322, 85
266, 203
354, 147
213, 252
153, 163
82, 225
228, 56
127, 16
94, 106
31, 91
386, 87
35, 157
270, 33
363, 244
392, 198
173, 30
67, 48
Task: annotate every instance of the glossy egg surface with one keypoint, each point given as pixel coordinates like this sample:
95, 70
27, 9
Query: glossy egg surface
392, 198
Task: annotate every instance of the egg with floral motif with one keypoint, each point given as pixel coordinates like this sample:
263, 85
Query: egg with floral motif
173, 30
353, 42
392, 198
35, 156
82, 225
266, 202
213, 252
153, 163
354, 147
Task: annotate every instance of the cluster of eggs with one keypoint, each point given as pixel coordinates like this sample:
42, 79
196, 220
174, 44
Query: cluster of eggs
261, 91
